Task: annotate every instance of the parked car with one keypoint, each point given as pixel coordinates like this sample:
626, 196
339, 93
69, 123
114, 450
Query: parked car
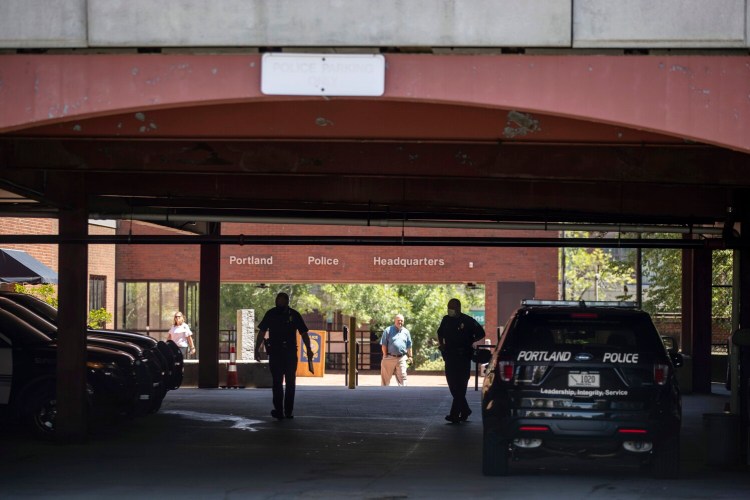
116, 381
167, 353
581, 379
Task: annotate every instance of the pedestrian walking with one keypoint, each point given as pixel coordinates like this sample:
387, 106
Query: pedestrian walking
282, 324
396, 346
456, 336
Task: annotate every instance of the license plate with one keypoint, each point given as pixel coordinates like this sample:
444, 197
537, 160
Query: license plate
583, 379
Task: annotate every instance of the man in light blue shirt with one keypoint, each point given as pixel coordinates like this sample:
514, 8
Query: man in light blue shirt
396, 346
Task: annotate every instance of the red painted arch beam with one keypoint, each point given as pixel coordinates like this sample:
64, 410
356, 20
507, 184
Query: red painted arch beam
700, 98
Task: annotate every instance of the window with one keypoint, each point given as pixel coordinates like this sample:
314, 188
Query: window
97, 292
149, 306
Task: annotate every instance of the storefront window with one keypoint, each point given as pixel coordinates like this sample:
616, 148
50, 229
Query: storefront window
132, 300
148, 306
164, 301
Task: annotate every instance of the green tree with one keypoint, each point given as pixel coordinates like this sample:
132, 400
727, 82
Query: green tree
593, 273
98, 318
46, 292
662, 270
428, 305
374, 306
234, 296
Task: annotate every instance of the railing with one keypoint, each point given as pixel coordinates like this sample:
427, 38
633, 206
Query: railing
227, 339
369, 354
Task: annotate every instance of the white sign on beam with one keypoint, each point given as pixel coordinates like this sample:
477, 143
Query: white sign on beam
323, 74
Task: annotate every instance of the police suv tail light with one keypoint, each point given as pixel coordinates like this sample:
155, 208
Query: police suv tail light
661, 372
632, 431
506, 370
533, 428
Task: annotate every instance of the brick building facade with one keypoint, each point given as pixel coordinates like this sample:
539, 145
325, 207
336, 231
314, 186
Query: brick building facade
101, 257
500, 270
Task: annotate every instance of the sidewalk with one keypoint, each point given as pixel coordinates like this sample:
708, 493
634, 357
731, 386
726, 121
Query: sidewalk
372, 379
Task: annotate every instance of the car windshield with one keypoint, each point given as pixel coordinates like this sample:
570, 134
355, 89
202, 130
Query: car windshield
592, 330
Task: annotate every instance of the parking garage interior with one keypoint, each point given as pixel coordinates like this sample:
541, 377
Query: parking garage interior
631, 126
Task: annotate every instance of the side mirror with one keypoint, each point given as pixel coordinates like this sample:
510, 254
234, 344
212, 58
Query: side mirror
741, 337
670, 343
482, 356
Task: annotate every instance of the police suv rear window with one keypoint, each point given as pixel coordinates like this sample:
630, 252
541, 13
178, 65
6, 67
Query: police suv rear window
548, 332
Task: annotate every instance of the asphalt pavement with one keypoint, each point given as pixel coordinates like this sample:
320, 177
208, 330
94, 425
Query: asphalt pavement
371, 442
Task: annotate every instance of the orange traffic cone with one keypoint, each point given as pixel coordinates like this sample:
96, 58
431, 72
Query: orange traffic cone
232, 381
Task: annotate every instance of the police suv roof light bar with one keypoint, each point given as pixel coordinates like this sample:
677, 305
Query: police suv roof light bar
580, 303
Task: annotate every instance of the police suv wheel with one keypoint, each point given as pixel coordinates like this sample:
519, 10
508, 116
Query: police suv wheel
156, 404
42, 414
495, 454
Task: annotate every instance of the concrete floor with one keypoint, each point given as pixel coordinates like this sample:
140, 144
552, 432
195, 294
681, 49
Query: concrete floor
372, 442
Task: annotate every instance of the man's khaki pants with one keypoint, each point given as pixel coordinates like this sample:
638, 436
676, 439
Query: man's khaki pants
391, 364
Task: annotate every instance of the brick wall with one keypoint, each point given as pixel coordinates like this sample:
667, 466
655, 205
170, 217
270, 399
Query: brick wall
339, 264
46, 254
101, 257
102, 263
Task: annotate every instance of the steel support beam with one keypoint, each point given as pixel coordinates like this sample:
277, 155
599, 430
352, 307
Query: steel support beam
696, 307
209, 288
71, 350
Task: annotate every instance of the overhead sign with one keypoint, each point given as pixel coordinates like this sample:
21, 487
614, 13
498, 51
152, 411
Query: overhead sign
323, 74
477, 314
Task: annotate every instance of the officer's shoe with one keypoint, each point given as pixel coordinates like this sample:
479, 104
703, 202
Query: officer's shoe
464, 416
453, 419
277, 415
288, 415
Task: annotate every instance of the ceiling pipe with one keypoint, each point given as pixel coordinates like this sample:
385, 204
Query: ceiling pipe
392, 241
433, 224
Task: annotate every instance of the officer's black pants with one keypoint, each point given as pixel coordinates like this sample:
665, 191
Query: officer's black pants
458, 373
283, 367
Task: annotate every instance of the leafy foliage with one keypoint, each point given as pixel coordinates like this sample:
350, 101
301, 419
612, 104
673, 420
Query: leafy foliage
662, 275
98, 318
662, 270
46, 292
594, 274
423, 306
236, 296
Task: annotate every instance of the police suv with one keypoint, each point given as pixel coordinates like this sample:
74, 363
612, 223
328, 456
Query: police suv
584, 379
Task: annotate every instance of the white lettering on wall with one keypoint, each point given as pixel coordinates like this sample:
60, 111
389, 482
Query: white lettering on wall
402, 262
252, 260
322, 261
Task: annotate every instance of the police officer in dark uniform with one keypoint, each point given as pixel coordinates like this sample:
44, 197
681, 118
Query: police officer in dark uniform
456, 336
282, 324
